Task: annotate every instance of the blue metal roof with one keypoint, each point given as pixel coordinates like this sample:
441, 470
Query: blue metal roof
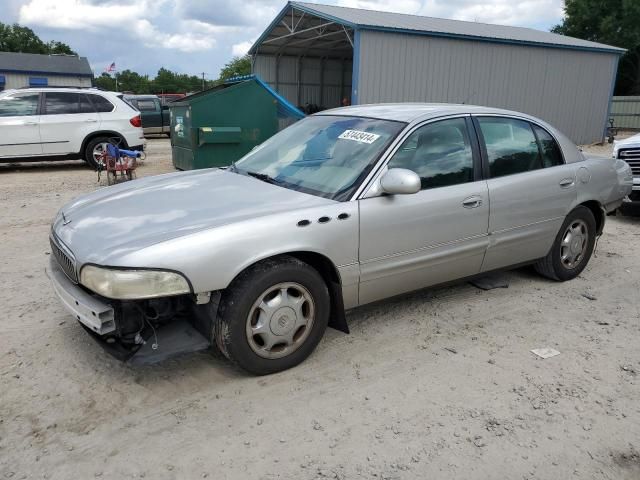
362, 19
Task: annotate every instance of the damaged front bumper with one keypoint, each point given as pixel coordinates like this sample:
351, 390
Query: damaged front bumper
133, 331
96, 315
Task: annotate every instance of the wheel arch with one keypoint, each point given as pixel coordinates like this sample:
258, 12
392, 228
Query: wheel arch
101, 133
330, 274
598, 213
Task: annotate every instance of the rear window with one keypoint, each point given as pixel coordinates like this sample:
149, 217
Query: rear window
100, 103
146, 105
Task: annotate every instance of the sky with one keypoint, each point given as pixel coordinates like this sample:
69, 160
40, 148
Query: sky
195, 36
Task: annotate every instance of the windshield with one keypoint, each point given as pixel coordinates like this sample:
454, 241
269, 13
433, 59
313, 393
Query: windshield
322, 155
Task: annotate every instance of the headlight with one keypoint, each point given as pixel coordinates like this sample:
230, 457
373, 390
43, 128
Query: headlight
133, 284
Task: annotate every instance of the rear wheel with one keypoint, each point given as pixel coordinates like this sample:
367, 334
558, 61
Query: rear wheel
273, 315
572, 247
95, 148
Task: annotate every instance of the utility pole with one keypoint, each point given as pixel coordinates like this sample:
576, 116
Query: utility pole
203, 74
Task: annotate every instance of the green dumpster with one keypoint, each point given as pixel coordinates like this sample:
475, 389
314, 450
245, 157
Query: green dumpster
216, 127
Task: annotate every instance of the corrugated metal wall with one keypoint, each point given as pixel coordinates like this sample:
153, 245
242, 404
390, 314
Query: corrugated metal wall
568, 88
625, 110
323, 82
15, 80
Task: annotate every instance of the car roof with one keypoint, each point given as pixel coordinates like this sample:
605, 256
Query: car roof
60, 89
412, 112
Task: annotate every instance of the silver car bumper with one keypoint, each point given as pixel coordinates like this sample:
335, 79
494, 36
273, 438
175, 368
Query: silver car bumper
96, 315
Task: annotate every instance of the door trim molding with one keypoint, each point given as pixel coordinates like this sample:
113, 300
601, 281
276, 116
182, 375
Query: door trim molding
421, 249
30, 143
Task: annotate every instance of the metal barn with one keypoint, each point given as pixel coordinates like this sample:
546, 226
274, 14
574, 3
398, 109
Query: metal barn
319, 55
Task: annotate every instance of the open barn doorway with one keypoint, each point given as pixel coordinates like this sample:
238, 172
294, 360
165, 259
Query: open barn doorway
306, 58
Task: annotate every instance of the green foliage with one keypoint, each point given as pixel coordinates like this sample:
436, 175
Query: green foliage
15, 38
129, 81
614, 22
165, 81
105, 82
58, 47
236, 67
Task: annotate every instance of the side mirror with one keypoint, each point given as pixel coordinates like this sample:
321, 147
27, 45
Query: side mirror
400, 181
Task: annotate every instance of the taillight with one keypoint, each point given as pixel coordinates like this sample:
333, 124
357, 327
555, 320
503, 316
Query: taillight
136, 121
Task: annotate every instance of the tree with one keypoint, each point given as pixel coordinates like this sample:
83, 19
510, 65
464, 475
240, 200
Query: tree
614, 22
15, 38
59, 48
129, 81
172, 82
105, 82
165, 81
236, 67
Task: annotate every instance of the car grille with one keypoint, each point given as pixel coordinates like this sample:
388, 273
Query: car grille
632, 157
66, 262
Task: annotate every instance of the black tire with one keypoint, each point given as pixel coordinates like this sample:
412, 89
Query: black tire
88, 150
237, 301
552, 265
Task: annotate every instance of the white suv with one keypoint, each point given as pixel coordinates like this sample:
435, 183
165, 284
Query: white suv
65, 123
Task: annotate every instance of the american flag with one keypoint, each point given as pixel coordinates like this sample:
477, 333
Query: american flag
111, 68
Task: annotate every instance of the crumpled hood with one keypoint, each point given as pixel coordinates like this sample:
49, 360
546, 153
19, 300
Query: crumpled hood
136, 214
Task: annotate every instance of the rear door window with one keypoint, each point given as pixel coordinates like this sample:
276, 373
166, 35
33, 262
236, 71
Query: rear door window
18, 105
61, 103
85, 104
511, 146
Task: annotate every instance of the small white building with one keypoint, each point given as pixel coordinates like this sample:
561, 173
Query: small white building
18, 70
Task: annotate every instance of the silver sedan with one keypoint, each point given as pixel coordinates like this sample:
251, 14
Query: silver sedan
344, 208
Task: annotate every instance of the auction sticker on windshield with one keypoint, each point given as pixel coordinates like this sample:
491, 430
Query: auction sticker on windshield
358, 136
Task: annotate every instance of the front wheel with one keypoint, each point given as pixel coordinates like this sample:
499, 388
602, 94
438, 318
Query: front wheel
572, 247
273, 315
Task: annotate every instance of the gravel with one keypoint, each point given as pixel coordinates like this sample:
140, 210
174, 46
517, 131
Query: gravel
390, 400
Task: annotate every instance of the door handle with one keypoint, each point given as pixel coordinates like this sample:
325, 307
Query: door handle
91, 120
566, 182
30, 123
472, 202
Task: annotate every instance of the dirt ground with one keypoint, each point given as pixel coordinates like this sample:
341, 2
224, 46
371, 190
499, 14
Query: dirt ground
436, 384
